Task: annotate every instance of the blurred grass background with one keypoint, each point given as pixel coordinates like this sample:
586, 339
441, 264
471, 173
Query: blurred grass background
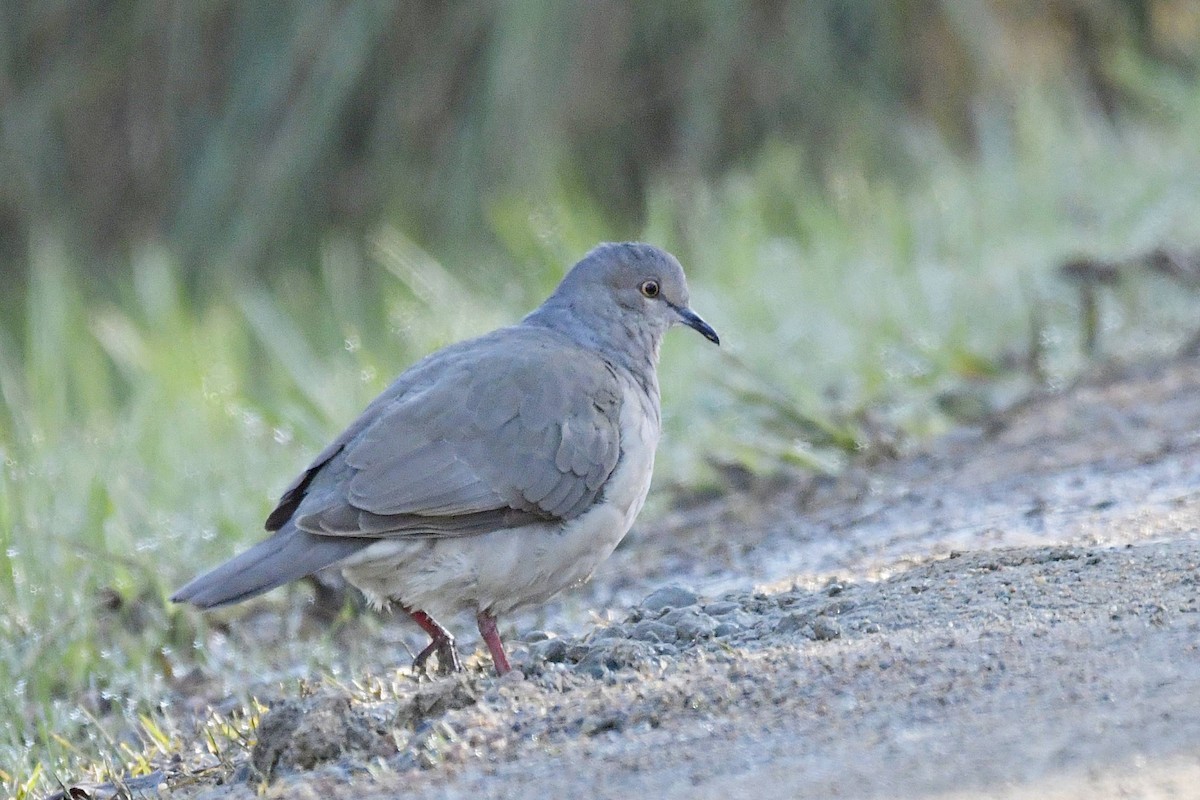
224, 227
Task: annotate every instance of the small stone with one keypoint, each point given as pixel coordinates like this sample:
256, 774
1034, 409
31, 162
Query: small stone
609, 721
536, 636
838, 608
577, 652
609, 656
724, 629
514, 676
673, 596
611, 632
690, 623
721, 608
649, 630
824, 629
792, 622
551, 650
742, 619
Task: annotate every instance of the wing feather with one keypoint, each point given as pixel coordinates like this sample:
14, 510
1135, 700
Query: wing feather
520, 426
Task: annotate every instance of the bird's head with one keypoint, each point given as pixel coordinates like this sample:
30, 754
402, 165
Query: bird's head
633, 287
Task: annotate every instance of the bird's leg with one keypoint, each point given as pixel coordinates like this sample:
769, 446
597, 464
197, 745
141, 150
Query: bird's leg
487, 629
441, 642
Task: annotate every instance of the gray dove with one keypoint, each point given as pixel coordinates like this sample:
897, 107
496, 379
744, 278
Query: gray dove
491, 474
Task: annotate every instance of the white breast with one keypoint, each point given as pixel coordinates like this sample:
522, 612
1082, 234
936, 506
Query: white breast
506, 569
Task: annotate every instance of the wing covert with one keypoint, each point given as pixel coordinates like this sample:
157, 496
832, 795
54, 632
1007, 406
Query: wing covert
526, 428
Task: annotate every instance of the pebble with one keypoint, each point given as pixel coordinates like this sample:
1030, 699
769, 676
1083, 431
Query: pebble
577, 652
724, 629
838, 608
611, 632
824, 629
611, 655
552, 650
673, 596
792, 622
689, 623
653, 631
721, 608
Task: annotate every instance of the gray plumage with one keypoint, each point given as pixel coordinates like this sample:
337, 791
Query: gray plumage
503, 442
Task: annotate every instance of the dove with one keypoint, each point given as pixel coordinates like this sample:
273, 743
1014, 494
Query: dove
494, 473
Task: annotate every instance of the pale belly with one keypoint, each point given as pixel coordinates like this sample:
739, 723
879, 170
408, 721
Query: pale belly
506, 569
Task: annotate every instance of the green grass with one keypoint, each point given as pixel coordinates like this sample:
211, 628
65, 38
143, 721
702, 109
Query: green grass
144, 435
240, 133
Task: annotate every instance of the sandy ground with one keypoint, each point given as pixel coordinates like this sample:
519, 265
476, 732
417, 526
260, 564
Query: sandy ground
1013, 612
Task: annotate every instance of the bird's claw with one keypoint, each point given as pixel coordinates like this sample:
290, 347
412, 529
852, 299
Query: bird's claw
447, 655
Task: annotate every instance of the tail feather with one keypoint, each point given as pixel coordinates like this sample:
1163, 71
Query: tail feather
287, 555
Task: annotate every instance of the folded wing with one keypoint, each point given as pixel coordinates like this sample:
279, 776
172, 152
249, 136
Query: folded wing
519, 428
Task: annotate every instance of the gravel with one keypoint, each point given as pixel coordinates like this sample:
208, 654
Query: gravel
959, 682
1012, 613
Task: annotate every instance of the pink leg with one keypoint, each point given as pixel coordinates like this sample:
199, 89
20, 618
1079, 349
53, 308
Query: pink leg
487, 629
441, 642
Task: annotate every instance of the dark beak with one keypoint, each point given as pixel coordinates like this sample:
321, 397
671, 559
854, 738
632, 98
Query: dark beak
692, 320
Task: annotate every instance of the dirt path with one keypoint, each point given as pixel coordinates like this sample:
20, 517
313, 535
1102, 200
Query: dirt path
1013, 672
1013, 613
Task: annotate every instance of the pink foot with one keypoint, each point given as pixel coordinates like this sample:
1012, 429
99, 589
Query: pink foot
487, 629
441, 642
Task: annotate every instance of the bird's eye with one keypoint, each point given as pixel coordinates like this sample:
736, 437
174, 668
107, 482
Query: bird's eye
650, 288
